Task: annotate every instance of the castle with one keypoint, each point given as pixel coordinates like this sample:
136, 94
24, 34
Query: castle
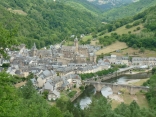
67, 54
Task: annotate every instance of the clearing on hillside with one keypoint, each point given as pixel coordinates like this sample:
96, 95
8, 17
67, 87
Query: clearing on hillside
20, 12
111, 48
135, 52
124, 30
121, 30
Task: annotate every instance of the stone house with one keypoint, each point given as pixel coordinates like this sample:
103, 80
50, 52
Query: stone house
52, 92
150, 61
65, 70
113, 59
44, 76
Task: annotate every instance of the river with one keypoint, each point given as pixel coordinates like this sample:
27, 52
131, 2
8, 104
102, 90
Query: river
85, 98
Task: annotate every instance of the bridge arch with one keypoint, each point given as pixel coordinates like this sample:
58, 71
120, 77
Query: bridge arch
106, 91
117, 87
98, 86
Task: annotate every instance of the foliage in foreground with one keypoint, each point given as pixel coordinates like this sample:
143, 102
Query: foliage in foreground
102, 108
26, 102
23, 102
151, 95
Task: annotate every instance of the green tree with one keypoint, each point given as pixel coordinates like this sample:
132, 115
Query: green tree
28, 90
9, 100
99, 108
7, 40
154, 70
134, 46
142, 49
45, 94
67, 114
54, 112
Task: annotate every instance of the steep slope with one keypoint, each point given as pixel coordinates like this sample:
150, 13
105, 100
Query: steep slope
109, 4
84, 3
99, 6
80, 6
142, 33
129, 10
45, 22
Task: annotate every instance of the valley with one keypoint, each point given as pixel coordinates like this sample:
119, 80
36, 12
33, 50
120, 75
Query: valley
77, 58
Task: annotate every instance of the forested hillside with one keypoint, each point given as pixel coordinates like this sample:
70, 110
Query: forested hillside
128, 10
147, 37
104, 5
142, 36
45, 22
83, 5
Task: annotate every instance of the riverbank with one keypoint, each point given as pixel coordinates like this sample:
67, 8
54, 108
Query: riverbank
137, 82
137, 72
127, 99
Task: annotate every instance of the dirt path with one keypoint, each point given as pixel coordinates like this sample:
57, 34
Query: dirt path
116, 98
20, 84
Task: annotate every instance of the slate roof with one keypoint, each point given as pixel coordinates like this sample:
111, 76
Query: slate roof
33, 80
65, 82
48, 86
65, 69
1, 69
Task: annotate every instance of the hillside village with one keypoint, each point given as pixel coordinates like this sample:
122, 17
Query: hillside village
58, 67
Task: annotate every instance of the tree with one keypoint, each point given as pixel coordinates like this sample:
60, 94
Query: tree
6, 65
45, 94
138, 28
142, 49
154, 70
134, 46
67, 114
9, 100
28, 90
55, 112
99, 108
7, 40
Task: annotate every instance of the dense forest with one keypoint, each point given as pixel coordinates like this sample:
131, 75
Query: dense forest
45, 22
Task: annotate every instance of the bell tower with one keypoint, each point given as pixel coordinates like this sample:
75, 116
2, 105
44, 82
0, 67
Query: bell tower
34, 50
76, 44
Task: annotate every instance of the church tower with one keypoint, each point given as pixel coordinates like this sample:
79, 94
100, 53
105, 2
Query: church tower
76, 44
34, 50
95, 57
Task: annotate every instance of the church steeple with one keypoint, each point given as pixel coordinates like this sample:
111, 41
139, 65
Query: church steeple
34, 47
76, 44
33, 50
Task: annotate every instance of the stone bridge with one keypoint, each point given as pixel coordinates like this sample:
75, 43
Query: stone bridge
116, 87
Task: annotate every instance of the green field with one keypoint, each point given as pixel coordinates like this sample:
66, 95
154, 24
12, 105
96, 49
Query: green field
113, 47
135, 52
